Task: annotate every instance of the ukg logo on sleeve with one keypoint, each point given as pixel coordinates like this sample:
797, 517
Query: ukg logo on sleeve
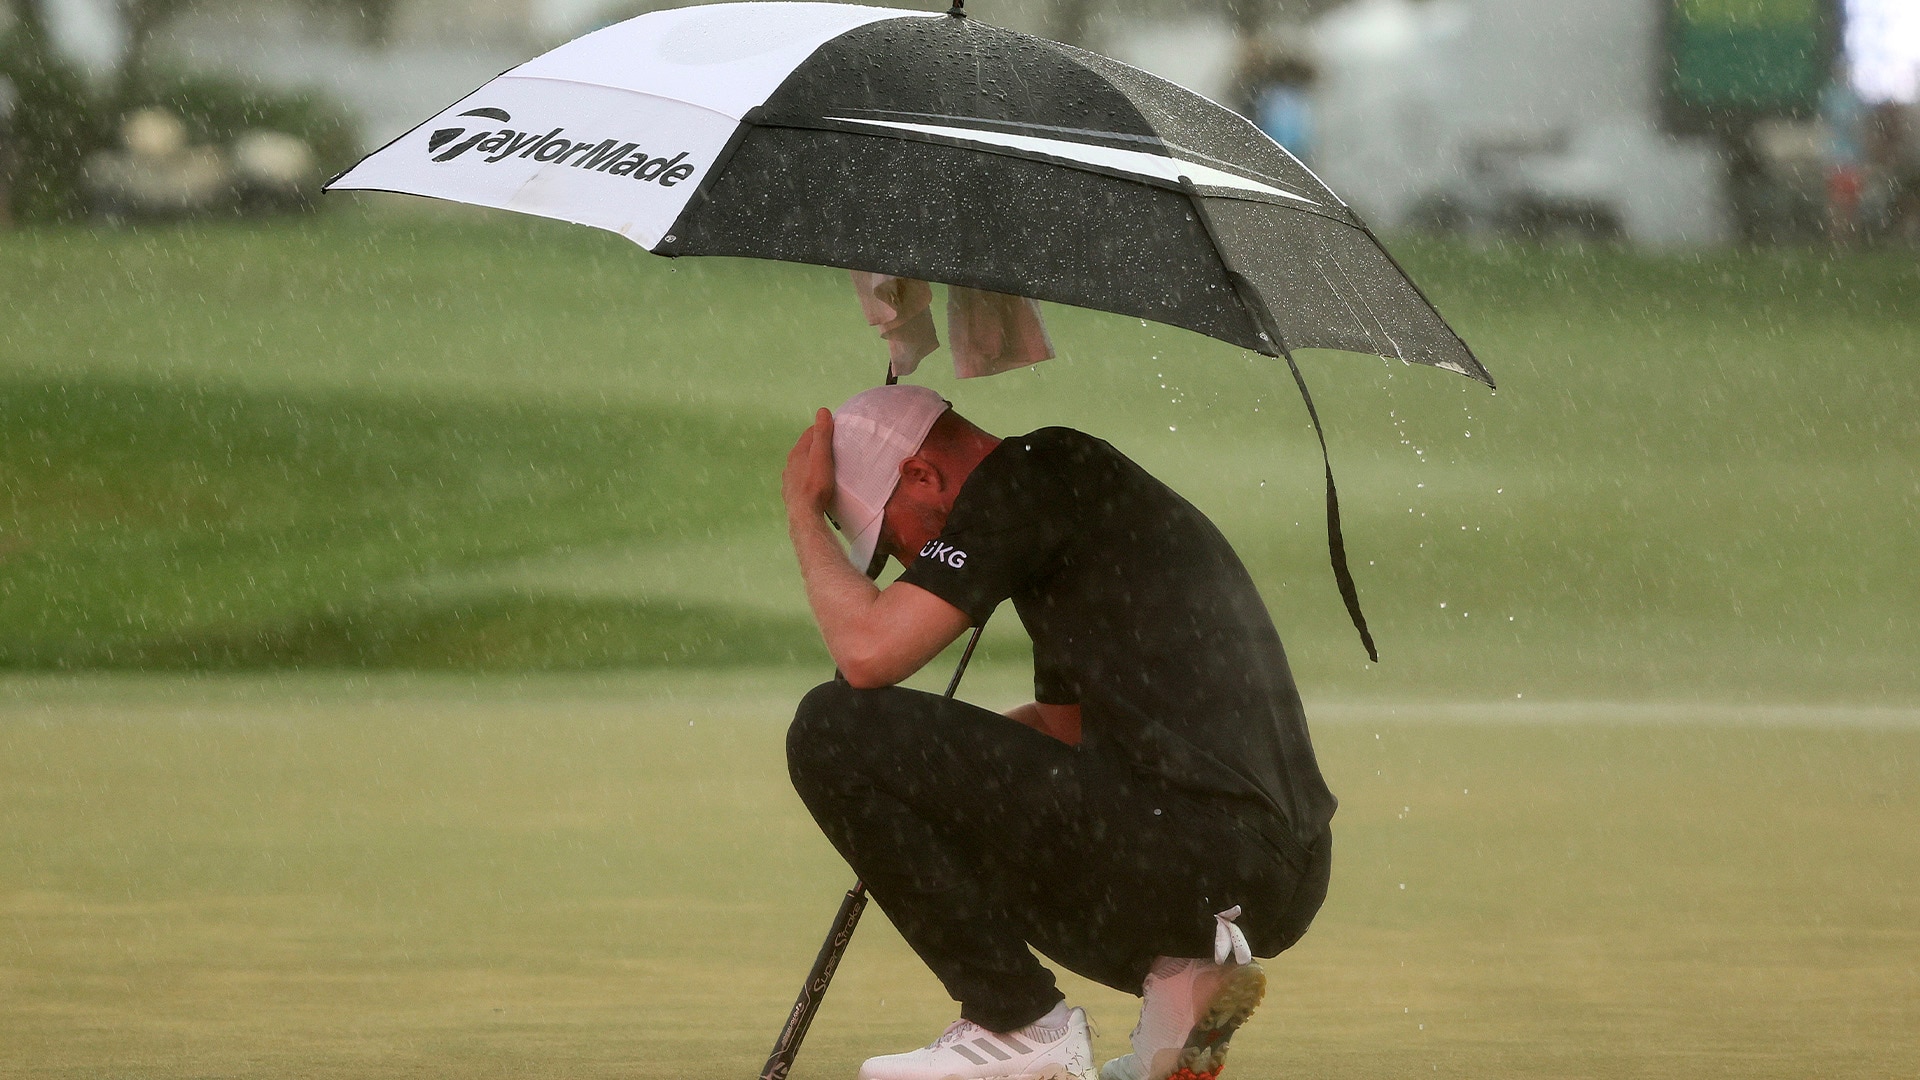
945, 553
610, 156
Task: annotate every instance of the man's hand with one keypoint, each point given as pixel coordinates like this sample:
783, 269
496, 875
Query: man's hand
806, 486
876, 637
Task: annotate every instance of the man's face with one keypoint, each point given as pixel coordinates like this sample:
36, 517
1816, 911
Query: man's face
916, 512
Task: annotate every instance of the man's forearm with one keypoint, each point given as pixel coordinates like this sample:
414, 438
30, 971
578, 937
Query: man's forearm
839, 595
876, 637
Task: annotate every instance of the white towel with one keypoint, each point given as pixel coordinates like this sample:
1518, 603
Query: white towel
989, 332
900, 308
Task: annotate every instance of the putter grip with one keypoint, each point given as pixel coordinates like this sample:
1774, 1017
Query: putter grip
815, 989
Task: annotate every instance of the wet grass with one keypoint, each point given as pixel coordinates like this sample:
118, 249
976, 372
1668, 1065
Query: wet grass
466, 446
171, 526
373, 440
374, 876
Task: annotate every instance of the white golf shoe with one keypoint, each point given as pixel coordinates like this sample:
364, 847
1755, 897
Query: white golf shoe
1044, 1050
1188, 1011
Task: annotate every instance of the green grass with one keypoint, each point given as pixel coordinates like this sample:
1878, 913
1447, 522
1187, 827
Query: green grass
168, 527
584, 876
1642, 748
483, 443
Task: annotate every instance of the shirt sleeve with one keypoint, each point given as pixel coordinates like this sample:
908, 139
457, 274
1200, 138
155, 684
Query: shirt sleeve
997, 538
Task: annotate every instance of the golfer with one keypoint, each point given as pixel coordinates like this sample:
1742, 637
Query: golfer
1153, 820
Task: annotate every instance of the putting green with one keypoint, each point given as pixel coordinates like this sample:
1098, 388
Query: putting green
578, 876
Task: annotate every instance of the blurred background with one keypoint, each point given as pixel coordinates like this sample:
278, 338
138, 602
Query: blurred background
1666, 123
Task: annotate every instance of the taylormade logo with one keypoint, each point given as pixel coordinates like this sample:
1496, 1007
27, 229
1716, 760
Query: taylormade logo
945, 553
608, 155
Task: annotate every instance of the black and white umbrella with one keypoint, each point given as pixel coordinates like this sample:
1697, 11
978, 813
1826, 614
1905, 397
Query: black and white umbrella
933, 147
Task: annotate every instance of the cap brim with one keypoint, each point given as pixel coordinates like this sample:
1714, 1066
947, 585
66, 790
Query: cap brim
860, 545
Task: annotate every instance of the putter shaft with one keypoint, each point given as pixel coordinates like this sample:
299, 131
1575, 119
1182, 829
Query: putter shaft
787, 1046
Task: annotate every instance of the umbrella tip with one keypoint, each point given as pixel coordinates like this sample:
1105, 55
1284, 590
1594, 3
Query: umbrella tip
958, 10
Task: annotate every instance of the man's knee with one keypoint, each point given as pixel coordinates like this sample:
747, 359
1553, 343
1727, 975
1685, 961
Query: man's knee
817, 710
825, 728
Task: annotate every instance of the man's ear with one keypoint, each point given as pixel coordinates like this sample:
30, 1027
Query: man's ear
919, 472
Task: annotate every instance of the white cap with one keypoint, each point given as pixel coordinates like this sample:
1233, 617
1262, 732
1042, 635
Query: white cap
873, 433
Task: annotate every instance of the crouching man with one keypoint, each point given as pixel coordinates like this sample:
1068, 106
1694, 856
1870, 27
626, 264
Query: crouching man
1153, 820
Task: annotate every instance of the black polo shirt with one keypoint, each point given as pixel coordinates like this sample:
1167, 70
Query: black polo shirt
1140, 613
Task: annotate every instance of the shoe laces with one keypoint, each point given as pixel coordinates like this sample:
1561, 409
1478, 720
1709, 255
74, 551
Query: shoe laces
1228, 939
963, 1029
956, 1031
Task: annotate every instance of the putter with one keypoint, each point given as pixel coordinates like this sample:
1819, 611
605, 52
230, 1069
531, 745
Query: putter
787, 1046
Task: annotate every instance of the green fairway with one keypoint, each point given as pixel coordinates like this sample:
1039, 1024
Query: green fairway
374, 441
577, 876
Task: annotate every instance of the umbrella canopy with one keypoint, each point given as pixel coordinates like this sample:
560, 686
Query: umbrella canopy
926, 146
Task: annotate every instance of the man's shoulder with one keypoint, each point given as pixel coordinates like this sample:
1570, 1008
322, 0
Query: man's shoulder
1062, 463
1043, 459
1037, 472
1061, 445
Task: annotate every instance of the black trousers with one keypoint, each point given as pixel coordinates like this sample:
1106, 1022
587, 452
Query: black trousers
979, 836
